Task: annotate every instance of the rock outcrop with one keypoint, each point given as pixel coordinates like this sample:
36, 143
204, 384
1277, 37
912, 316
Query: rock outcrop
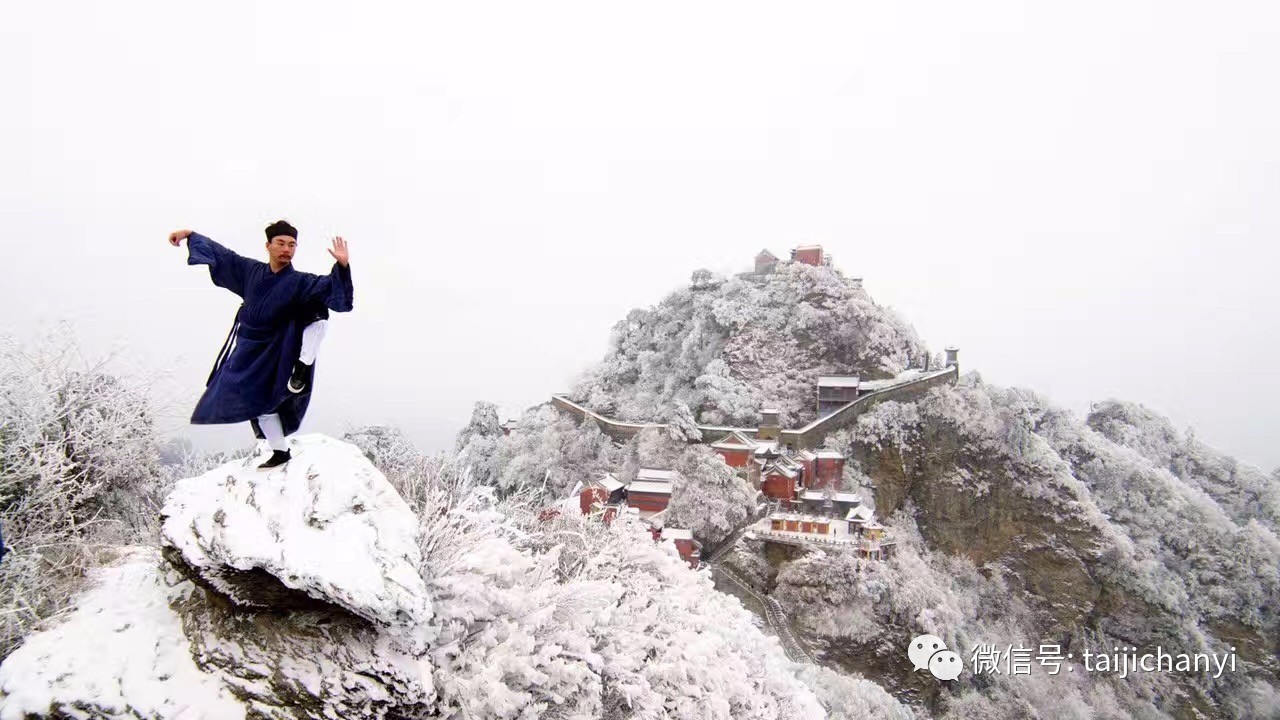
293, 593
326, 529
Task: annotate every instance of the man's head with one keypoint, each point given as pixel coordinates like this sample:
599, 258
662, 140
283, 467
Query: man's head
282, 241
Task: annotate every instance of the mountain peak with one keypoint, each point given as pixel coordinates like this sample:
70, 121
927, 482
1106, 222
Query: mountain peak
727, 347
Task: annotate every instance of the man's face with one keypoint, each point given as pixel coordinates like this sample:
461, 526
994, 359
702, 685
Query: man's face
281, 249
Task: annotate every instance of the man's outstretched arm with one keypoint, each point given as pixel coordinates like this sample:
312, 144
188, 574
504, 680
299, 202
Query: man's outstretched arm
226, 268
334, 290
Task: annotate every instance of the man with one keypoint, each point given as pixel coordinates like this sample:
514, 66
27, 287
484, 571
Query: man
251, 376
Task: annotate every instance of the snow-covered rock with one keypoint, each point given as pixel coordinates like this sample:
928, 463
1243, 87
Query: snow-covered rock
326, 527
144, 642
121, 653
284, 594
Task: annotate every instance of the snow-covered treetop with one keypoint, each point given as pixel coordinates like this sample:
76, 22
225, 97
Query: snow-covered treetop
727, 349
1244, 491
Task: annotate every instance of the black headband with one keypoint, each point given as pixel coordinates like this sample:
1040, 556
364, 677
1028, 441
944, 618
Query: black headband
281, 227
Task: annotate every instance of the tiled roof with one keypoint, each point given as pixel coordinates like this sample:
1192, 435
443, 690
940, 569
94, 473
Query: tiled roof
649, 486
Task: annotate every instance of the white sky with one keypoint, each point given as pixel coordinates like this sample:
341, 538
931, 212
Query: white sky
1082, 196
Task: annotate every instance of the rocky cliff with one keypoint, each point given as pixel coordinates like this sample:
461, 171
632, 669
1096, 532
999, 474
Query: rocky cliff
1019, 524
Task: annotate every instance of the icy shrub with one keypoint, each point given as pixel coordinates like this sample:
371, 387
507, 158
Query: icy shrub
79, 469
546, 615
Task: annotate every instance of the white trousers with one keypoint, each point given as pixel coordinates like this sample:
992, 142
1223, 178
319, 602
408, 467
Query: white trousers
271, 426
273, 431
311, 337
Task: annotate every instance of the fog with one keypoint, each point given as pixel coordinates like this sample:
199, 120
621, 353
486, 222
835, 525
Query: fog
1082, 197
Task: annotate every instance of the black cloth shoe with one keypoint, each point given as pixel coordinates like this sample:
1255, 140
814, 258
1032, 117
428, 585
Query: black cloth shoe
278, 458
298, 380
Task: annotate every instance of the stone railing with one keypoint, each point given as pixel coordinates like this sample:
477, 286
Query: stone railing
616, 429
799, 538
809, 436
812, 435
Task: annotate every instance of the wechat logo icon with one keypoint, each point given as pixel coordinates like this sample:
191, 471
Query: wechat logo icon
928, 652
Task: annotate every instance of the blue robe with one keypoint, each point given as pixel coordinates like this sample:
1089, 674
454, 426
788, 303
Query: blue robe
251, 373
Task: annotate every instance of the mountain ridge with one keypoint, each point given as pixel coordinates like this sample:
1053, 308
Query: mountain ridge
1044, 509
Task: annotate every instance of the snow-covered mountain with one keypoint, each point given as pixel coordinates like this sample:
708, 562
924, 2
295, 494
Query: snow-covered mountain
1019, 525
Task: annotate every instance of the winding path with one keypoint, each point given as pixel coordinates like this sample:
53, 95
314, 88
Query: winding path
773, 612
774, 615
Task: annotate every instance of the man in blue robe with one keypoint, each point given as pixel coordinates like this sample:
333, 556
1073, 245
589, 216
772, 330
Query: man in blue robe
250, 378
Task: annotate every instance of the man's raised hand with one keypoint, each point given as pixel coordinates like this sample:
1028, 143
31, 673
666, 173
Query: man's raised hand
177, 236
339, 251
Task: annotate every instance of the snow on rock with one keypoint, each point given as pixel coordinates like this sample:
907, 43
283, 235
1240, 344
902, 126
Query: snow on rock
121, 653
327, 526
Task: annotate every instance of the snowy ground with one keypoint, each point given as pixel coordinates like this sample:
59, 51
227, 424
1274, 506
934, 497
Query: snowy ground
121, 652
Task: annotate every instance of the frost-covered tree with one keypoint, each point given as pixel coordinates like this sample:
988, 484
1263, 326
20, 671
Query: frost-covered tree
703, 279
711, 499
483, 424
570, 618
477, 443
79, 470
385, 446
682, 426
549, 450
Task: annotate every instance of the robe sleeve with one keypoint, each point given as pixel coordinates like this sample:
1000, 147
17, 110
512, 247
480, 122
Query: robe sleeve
226, 268
334, 290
